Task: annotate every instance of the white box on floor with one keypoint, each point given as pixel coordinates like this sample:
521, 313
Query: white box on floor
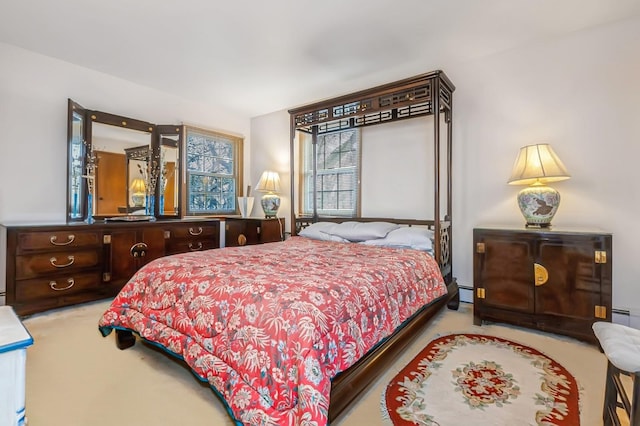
14, 340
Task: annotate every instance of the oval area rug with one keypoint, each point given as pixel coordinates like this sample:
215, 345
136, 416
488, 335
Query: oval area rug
475, 379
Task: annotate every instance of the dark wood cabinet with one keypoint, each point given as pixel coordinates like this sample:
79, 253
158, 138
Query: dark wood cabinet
127, 249
247, 231
548, 279
50, 266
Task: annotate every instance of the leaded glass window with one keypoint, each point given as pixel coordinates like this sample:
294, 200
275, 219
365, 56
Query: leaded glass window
338, 163
212, 172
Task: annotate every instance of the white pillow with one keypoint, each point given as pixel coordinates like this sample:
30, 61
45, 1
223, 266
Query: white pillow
361, 231
406, 237
316, 231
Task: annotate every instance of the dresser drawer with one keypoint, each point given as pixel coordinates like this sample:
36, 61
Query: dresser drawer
189, 232
29, 266
194, 244
61, 239
61, 285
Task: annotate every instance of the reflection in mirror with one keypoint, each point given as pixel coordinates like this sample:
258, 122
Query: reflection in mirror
169, 172
114, 174
137, 179
76, 164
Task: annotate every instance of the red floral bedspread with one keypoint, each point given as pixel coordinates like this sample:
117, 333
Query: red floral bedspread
269, 326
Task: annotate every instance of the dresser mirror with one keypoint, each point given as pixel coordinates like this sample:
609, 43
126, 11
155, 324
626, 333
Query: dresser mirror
118, 166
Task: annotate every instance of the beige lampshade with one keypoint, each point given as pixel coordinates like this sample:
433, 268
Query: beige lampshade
537, 164
138, 185
269, 182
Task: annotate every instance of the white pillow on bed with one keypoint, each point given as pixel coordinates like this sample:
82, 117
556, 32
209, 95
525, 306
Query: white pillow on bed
406, 237
317, 231
361, 231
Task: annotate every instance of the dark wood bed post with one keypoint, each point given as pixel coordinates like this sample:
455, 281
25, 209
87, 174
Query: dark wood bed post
435, 89
292, 159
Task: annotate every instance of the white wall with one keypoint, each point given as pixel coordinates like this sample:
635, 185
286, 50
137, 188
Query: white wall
581, 93
271, 134
33, 116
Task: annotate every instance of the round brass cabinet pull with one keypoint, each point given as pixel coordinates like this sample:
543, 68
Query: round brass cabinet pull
54, 239
54, 285
198, 232
53, 261
138, 250
540, 273
198, 247
242, 240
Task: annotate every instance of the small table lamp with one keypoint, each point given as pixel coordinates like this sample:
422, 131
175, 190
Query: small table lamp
138, 188
269, 183
535, 166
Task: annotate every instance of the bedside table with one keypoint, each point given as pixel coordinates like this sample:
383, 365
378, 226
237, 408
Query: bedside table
549, 279
249, 230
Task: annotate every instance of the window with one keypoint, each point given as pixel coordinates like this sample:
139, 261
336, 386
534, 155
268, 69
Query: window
338, 170
213, 172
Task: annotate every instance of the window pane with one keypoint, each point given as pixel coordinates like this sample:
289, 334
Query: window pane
211, 172
337, 170
345, 200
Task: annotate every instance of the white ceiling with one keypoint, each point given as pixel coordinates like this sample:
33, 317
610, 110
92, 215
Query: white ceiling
256, 57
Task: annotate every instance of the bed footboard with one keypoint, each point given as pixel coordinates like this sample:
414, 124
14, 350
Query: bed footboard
352, 382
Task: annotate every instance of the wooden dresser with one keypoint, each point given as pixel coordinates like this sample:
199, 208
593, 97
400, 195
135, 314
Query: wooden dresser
50, 266
249, 230
550, 279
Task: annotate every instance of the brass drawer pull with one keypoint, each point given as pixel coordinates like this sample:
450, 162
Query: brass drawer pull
53, 285
139, 250
192, 248
53, 261
541, 274
193, 232
70, 239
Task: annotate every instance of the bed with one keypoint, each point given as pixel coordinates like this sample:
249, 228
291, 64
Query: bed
241, 318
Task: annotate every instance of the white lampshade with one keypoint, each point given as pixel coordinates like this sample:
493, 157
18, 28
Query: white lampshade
537, 163
535, 166
269, 182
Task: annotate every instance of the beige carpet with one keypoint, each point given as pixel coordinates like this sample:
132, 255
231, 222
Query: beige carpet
75, 377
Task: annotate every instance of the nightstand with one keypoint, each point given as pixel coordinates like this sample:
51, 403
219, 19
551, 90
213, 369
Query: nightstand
549, 279
249, 230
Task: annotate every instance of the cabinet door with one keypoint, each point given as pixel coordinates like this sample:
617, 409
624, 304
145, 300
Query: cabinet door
131, 249
574, 285
272, 230
241, 232
502, 268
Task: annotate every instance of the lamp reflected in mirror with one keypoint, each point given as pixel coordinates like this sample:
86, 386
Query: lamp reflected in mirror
138, 191
537, 165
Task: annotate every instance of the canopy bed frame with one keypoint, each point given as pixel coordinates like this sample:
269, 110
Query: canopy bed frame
425, 95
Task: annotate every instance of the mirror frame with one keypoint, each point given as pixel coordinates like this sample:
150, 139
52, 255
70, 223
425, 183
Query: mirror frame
159, 140
89, 117
76, 200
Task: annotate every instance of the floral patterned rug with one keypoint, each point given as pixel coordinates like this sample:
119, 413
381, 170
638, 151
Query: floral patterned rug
475, 379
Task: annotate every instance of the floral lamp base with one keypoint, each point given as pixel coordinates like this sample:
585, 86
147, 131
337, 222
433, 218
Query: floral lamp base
538, 204
270, 205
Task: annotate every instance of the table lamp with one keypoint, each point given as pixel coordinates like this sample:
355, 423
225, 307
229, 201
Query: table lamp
269, 183
535, 166
138, 188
